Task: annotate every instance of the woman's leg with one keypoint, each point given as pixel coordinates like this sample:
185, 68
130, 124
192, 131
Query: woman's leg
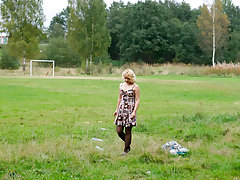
120, 132
128, 138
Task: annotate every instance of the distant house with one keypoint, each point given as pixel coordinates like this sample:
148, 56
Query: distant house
3, 38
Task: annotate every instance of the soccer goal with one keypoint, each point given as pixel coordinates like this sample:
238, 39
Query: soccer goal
45, 69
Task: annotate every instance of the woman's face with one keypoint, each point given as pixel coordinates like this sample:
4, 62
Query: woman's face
127, 80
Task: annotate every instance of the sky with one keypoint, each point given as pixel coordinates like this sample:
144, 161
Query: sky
52, 7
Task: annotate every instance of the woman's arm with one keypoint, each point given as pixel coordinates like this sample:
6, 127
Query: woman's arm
118, 102
137, 101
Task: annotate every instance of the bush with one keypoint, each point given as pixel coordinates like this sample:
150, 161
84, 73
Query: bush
7, 61
60, 51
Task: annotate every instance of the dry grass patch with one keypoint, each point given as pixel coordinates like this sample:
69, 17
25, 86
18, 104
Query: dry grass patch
221, 69
10, 152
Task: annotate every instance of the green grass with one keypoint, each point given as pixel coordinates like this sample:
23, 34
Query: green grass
46, 126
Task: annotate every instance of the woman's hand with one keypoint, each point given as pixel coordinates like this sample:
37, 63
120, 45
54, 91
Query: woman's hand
133, 115
115, 113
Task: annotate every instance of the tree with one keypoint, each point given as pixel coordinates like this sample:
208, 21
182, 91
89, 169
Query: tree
232, 52
57, 31
141, 32
154, 32
59, 50
61, 19
233, 13
115, 14
87, 32
23, 21
214, 30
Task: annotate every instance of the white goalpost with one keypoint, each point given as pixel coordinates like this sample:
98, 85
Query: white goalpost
49, 61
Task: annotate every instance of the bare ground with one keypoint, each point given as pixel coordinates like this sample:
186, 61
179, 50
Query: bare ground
101, 78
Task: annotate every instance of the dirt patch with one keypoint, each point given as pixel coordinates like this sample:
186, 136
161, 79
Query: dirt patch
105, 78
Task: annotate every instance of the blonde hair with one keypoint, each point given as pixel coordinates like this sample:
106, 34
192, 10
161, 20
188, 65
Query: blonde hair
128, 73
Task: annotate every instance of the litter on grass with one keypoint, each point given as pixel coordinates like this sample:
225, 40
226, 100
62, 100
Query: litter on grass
174, 148
44, 156
148, 172
101, 149
96, 139
104, 129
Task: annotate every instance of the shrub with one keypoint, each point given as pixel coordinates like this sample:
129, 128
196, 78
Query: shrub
60, 51
7, 61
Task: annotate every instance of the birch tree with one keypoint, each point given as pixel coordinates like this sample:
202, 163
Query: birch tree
23, 21
88, 33
214, 26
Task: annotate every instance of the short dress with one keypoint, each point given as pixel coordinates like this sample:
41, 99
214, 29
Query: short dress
126, 108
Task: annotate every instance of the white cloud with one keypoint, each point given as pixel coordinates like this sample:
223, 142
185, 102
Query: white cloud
51, 8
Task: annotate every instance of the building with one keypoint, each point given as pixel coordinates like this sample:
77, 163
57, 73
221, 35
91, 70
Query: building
3, 38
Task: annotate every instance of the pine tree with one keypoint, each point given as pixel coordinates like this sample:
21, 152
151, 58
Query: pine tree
58, 24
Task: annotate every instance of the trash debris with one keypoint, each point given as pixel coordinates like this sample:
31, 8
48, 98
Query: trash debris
104, 129
87, 122
101, 149
182, 150
173, 151
96, 139
44, 156
174, 148
171, 145
148, 172
99, 121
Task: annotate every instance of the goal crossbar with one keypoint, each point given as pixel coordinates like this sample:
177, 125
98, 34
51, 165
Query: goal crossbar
52, 61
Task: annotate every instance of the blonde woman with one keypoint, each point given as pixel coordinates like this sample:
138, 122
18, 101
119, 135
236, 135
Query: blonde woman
127, 105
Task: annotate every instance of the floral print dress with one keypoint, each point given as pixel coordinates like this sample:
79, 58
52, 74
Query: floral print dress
126, 108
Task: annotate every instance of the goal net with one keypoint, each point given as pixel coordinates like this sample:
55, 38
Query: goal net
42, 67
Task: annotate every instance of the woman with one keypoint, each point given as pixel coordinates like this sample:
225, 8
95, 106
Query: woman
127, 105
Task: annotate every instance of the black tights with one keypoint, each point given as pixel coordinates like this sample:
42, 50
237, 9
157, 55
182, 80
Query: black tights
126, 137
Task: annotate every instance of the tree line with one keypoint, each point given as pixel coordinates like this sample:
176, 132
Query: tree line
86, 32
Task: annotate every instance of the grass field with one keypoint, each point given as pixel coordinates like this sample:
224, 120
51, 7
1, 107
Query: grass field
47, 126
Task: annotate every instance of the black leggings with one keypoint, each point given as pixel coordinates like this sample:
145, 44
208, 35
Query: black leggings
126, 137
